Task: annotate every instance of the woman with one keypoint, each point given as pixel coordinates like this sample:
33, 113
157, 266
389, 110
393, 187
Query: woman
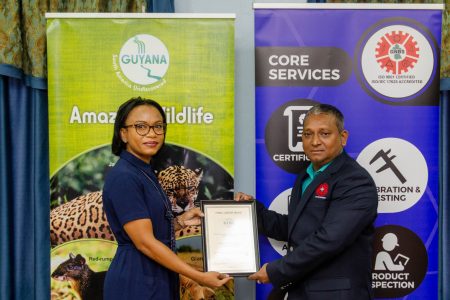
140, 215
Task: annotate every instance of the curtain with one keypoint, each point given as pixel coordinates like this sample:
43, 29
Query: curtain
444, 183
24, 175
160, 6
444, 191
24, 204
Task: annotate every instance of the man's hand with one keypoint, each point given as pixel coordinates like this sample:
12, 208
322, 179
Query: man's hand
243, 197
260, 276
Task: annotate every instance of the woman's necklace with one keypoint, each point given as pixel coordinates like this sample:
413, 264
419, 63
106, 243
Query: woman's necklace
168, 214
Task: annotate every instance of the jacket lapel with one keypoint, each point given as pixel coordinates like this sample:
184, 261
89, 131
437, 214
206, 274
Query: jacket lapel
307, 195
296, 192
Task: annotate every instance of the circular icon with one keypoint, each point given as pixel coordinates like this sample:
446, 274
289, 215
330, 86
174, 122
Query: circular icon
399, 170
283, 135
400, 261
280, 205
144, 59
396, 61
73, 262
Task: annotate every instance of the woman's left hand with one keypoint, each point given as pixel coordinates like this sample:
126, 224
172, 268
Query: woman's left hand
192, 217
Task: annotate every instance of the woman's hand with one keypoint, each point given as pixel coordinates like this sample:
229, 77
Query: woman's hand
191, 217
214, 279
243, 197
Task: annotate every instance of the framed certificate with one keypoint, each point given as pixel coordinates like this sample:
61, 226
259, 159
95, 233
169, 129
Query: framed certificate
230, 237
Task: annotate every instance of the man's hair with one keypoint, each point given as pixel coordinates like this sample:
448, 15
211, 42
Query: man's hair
122, 114
329, 110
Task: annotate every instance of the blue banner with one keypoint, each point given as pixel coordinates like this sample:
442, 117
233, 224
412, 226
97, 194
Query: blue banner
380, 66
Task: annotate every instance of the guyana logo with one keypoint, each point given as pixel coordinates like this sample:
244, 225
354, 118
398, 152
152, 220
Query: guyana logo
397, 52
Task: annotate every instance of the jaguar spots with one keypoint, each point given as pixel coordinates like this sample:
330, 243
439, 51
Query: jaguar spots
84, 217
181, 186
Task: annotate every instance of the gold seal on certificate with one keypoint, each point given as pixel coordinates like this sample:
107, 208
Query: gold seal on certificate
230, 237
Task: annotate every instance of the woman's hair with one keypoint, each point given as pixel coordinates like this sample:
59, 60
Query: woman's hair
329, 110
122, 114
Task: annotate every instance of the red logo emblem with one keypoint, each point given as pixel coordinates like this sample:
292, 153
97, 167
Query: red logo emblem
322, 190
397, 52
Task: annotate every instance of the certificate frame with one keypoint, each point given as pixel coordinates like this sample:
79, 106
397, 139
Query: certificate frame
236, 255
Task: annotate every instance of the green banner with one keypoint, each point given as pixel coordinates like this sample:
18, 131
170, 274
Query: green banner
97, 62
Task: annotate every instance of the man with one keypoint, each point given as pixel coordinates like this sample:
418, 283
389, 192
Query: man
329, 226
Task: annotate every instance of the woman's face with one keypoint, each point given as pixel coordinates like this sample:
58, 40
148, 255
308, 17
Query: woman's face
145, 146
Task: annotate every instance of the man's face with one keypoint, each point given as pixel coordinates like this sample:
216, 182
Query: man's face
322, 140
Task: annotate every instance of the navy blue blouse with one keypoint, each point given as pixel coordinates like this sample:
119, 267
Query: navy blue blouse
132, 192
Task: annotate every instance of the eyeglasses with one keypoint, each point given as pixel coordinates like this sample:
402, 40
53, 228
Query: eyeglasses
143, 128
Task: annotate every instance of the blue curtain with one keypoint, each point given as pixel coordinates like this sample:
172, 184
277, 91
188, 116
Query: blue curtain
24, 161
444, 207
24, 192
162, 6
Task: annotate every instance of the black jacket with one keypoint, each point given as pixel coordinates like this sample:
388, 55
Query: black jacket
329, 231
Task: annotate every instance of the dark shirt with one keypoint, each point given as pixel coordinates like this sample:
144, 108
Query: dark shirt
132, 192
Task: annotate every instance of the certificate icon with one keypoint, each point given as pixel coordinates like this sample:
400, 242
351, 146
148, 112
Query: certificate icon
230, 237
